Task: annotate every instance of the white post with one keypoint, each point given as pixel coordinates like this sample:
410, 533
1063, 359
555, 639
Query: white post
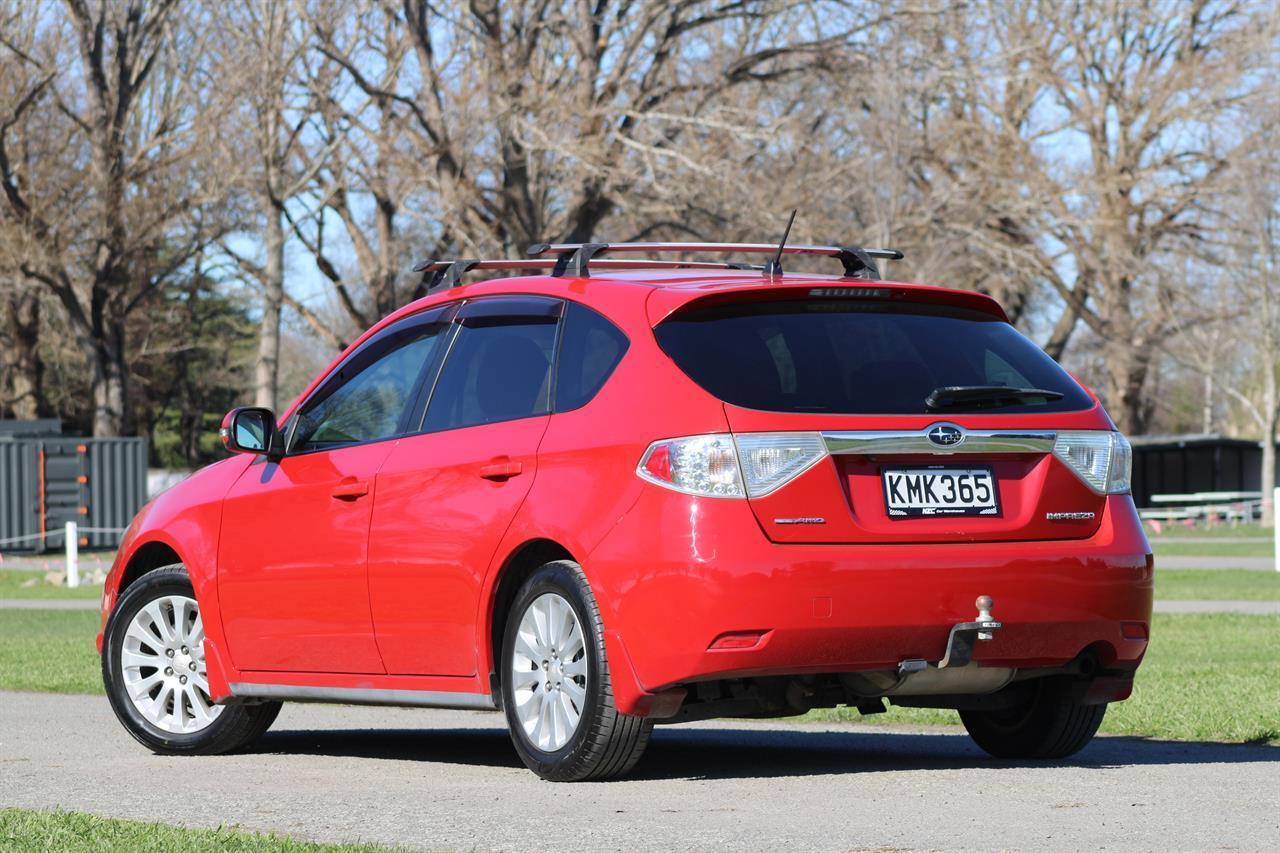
1275, 526
73, 554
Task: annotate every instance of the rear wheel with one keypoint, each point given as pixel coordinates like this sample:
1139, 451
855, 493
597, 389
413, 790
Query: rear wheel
556, 689
153, 667
1046, 725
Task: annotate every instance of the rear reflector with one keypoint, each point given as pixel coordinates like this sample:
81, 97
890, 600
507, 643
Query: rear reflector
1133, 630
736, 641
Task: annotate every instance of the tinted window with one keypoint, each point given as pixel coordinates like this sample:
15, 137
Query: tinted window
499, 367
367, 397
589, 351
856, 357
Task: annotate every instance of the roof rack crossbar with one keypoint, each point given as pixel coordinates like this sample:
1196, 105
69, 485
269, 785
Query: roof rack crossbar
447, 274
574, 258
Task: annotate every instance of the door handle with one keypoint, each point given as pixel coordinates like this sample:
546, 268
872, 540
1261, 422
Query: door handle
501, 470
350, 489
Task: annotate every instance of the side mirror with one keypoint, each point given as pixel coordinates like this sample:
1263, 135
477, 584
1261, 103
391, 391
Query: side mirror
250, 429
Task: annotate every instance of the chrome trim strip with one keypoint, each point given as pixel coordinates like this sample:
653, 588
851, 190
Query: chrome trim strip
868, 442
365, 696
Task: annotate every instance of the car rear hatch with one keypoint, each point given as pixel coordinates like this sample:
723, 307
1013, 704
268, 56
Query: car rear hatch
828, 394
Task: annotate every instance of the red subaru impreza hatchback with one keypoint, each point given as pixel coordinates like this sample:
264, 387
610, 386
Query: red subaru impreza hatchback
625, 492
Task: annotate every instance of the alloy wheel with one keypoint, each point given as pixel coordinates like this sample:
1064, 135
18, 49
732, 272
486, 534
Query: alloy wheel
549, 672
162, 661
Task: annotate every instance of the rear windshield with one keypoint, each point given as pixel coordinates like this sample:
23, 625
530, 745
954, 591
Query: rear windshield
858, 357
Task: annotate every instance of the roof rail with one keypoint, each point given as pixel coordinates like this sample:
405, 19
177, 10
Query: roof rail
446, 274
574, 258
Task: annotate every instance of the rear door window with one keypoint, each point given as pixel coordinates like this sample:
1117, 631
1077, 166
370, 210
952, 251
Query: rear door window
589, 351
857, 357
499, 366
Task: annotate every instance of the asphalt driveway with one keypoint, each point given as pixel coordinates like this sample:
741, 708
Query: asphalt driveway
450, 780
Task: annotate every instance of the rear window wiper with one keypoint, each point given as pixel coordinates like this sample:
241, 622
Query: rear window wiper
986, 396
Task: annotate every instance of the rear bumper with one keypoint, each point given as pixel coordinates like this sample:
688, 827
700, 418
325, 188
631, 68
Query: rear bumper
678, 572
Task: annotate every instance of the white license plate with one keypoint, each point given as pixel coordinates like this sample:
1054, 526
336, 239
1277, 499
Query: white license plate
914, 492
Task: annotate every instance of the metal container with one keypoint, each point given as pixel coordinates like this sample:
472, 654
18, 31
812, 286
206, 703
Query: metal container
46, 481
19, 490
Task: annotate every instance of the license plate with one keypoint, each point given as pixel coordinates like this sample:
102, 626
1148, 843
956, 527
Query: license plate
930, 492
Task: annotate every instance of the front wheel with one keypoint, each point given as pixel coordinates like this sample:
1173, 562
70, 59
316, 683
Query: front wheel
1046, 725
556, 689
153, 668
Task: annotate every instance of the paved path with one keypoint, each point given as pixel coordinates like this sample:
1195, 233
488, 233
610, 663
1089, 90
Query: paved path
1207, 540
1254, 607
449, 780
1257, 564
50, 604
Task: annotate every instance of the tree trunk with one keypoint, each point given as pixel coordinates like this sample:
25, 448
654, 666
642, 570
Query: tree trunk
26, 381
1271, 413
1127, 368
267, 367
109, 384
1061, 334
1269, 473
1206, 420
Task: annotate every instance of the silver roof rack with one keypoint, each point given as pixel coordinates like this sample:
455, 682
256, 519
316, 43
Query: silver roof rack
573, 259
446, 274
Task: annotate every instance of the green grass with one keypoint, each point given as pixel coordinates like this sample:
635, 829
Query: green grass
50, 651
24, 829
1225, 550
1217, 585
1208, 677
12, 580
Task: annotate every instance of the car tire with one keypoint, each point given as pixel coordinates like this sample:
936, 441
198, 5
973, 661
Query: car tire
537, 684
1047, 725
157, 621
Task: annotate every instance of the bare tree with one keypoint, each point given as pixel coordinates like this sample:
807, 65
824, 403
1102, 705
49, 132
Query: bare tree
1256, 274
113, 206
259, 49
1155, 93
477, 130
1075, 149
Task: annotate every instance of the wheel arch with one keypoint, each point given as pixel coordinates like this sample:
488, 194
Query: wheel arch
148, 557
515, 569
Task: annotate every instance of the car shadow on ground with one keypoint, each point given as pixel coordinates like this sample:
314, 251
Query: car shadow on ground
694, 753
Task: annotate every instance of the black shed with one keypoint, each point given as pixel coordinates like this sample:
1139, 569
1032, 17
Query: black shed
1197, 462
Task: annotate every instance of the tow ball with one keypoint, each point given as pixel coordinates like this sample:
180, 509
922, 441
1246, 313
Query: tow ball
965, 634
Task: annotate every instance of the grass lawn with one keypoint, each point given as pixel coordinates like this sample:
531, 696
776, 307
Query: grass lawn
1217, 585
12, 580
1225, 550
23, 829
51, 651
1206, 676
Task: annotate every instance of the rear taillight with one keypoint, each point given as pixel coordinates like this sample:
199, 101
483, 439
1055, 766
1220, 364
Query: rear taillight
727, 466
697, 465
1103, 460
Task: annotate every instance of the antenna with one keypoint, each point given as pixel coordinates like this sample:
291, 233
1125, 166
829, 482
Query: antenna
774, 266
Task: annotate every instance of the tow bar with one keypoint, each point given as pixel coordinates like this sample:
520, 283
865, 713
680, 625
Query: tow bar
965, 634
